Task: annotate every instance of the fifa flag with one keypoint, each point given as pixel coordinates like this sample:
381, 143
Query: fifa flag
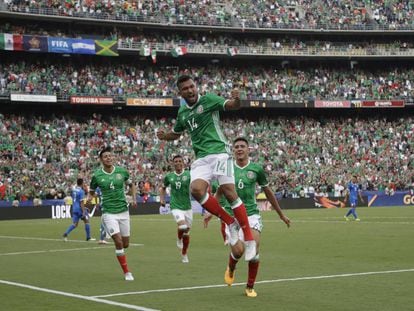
178, 51
145, 51
11, 42
231, 51
106, 47
83, 46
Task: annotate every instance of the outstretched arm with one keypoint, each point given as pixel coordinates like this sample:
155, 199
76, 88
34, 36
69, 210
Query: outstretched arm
233, 103
162, 195
134, 195
275, 204
161, 134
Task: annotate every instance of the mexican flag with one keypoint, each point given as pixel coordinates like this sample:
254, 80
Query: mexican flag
145, 51
231, 51
178, 51
11, 42
154, 56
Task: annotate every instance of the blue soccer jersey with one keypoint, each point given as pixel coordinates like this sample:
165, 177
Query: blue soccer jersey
78, 195
353, 193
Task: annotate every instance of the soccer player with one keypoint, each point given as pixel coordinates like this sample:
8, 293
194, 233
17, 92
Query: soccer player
111, 181
247, 174
79, 211
200, 117
353, 191
180, 203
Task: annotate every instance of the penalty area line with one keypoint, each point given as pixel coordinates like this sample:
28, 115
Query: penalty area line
259, 282
78, 296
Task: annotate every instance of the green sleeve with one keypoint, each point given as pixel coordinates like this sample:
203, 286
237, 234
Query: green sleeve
166, 181
93, 185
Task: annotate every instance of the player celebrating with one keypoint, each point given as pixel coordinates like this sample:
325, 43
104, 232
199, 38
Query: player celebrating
111, 181
79, 211
200, 117
180, 204
247, 174
354, 190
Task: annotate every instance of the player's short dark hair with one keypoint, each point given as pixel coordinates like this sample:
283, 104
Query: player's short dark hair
240, 139
177, 156
79, 181
182, 79
105, 149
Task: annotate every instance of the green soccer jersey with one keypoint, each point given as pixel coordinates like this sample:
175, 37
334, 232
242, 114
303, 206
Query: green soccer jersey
112, 186
180, 189
245, 181
202, 122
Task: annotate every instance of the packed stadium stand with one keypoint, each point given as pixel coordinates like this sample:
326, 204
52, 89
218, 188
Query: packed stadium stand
327, 88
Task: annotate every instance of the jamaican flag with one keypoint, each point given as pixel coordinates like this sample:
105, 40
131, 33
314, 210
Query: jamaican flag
106, 47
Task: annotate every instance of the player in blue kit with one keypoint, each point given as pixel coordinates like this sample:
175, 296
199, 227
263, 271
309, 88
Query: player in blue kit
353, 191
79, 211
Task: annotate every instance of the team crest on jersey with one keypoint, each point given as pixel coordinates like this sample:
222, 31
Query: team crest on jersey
251, 175
118, 176
200, 109
184, 178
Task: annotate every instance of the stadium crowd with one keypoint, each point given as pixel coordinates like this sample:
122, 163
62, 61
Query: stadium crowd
70, 77
294, 14
163, 40
41, 157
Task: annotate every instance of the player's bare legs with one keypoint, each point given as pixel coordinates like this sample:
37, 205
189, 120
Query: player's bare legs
236, 253
183, 239
121, 243
240, 214
199, 191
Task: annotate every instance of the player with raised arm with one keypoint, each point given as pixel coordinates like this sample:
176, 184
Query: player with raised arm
200, 116
180, 203
111, 181
247, 175
353, 192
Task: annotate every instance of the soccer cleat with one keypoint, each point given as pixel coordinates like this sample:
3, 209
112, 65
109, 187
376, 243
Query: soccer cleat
346, 218
90, 239
229, 277
184, 259
250, 292
65, 237
129, 276
180, 243
234, 232
357, 219
250, 250
102, 242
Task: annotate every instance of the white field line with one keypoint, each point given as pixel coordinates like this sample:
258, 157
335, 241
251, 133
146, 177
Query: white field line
368, 220
52, 251
77, 296
46, 239
259, 282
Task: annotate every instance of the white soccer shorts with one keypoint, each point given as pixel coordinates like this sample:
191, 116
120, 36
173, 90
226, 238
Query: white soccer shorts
180, 215
214, 166
255, 222
117, 223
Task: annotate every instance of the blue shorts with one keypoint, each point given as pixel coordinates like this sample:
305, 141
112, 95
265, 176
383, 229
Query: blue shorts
77, 215
353, 202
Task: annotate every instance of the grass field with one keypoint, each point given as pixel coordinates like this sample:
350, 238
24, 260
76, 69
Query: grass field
320, 263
